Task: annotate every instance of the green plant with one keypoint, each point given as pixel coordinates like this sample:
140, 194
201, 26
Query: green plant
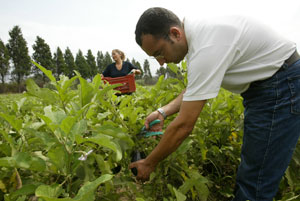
73, 141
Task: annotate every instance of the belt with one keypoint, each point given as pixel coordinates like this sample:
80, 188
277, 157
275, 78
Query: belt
292, 59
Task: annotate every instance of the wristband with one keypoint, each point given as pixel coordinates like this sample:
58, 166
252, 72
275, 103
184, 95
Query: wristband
162, 112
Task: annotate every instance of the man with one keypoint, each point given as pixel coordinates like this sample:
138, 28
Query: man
242, 56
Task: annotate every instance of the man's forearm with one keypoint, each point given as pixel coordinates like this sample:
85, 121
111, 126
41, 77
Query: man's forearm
177, 131
174, 135
174, 106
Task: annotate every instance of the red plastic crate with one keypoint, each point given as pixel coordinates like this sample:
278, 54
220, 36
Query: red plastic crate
127, 81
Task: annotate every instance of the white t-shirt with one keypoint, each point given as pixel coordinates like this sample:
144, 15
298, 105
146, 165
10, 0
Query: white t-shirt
230, 52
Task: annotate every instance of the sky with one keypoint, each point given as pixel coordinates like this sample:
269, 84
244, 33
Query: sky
104, 25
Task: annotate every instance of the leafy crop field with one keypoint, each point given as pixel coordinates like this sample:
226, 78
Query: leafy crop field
74, 140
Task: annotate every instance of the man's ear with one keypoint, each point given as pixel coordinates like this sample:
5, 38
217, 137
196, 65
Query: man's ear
175, 33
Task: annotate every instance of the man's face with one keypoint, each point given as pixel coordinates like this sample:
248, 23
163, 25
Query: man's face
164, 50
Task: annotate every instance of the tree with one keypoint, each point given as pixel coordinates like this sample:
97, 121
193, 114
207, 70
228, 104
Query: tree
138, 65
42, 55
91, 61
70, 63
60, 63
106, 61
82, 65
4, 61
100, 58
147, 73
146, 66
18, 51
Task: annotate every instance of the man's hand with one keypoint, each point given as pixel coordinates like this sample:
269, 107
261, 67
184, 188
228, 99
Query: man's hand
144, 169
153, 116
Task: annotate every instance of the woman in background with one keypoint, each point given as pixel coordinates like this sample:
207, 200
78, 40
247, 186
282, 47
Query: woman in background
119, 67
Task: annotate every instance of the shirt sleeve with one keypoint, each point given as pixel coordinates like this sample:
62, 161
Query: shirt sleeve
131, 66
206, 70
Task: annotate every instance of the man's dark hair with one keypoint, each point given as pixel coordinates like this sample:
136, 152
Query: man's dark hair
157, 22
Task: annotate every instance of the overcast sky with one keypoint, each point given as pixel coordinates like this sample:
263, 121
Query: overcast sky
103, 25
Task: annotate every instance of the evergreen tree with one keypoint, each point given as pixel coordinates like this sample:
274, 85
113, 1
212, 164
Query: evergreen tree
70, 63
42, 55
100, 59
106, 61
91, 61
146, 67
60, 64
138, 65
82, 65
147, 73
18, 51
4, 61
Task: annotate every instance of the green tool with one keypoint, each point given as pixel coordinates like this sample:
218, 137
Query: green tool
146, 133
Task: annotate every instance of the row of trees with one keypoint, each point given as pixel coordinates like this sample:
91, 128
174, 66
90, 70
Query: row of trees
15, 61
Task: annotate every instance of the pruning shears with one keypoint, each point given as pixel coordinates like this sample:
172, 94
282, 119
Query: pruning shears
146, 133
137, 154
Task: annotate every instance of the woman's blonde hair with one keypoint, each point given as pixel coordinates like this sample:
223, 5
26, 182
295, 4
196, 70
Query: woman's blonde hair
122, 55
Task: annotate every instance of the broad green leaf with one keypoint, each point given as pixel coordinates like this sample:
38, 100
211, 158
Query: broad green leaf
45, 137
37, 164
66, 94
115, 132
20, 103
13, 121
48, 73
52, 191
22, 198
103, 115
85, 193
78, 129
7, 162
22, 160
5, 149
27, 189
58, 157
85, 92
102, 164
67, 124
54, 199
97, 82
187, 185
88, 189
105, 141
9, 139
44, 94
185, 146
202, 190
105, 90
179, 195
65, 83
55, 116
173, 67
125, 101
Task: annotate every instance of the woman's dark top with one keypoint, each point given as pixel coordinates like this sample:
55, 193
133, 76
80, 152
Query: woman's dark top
112, 71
